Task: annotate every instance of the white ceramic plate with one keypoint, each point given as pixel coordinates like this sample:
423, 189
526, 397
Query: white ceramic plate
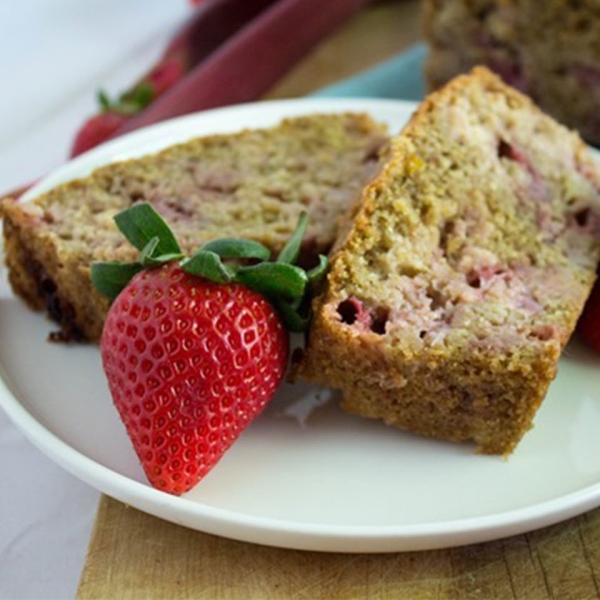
331, 482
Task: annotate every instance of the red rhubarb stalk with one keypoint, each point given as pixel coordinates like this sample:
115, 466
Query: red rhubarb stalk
251, 61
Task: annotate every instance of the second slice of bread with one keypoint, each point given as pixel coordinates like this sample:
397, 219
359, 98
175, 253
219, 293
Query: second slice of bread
253, 184
462, 277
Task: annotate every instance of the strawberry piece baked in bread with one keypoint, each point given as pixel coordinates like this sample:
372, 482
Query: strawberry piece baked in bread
252, 185
464, 272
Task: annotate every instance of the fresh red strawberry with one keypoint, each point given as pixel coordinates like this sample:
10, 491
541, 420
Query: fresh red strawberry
193, 348
97, 129
588, 325
104, 125
190, 363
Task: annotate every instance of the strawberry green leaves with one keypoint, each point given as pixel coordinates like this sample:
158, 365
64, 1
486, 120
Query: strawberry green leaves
274, 279
285, 285
110, 278
234, 247
288, 287
207, 261
145, 229
290, 252
209, 265
140, 224
129, 103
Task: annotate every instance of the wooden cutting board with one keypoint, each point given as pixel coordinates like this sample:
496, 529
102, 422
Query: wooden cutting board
134, 555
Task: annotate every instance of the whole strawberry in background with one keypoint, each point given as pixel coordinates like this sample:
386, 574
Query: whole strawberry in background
115, 113
194, 348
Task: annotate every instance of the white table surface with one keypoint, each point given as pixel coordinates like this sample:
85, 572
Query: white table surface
54, 55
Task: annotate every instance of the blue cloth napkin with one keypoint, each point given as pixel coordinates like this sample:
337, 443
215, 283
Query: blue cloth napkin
399, 78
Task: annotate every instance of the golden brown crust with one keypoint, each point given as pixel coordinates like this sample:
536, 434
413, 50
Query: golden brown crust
450, 299
60, 285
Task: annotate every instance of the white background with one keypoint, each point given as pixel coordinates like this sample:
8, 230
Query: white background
54, 56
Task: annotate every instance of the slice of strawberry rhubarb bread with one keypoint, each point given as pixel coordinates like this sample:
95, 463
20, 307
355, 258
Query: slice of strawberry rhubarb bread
253, 185
464, 272
549, 49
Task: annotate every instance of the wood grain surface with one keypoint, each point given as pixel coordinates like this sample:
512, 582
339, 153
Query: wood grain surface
134, 555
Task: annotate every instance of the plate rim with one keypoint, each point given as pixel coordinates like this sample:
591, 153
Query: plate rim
119, 147
251, 528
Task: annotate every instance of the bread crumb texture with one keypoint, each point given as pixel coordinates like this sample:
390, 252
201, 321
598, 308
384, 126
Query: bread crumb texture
461, 279
253, 185
548, 49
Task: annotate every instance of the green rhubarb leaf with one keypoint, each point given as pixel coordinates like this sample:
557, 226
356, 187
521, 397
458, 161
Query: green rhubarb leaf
290, 252
237, 248
111, 277
208, 264
141, 223
274, 280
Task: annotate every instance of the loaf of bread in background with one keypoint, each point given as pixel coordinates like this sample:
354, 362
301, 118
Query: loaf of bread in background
253, 184
549, 49
464, 272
